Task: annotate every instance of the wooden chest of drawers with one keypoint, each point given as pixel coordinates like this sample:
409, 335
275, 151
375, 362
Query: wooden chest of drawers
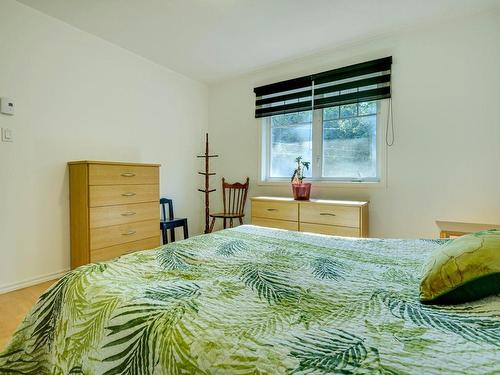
340, 218
114, 209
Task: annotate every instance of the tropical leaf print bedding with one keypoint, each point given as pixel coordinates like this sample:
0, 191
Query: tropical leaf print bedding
252, 300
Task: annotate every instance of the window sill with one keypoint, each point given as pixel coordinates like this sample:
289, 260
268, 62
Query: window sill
327, 184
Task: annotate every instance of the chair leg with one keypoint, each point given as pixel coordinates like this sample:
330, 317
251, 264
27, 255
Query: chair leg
164, 236
185, 227
225, 223
172, 234
241, 220
211, 225
230, 222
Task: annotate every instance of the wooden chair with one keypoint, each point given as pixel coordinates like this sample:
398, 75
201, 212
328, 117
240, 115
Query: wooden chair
234, 197
170, 223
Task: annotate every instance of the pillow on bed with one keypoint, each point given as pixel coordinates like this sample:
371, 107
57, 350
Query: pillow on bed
464, 269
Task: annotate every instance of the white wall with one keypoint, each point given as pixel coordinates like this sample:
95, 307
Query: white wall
79, 97
446, 100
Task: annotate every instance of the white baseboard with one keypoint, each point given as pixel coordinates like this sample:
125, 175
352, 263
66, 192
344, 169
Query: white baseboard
32, 281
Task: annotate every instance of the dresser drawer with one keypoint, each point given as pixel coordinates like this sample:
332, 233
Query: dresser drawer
118, 234
110, 195
123, 214
122, 174
332, 230
275, 210
126, 248
330, 214
272, 223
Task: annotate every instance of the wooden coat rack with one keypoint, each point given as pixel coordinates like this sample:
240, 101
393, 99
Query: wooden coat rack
207, 175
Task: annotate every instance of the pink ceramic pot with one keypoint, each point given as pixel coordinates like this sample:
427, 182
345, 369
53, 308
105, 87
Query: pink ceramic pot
301, 191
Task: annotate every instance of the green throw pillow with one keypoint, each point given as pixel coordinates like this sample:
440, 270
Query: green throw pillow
464, 269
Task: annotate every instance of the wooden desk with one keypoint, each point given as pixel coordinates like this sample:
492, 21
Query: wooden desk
456, 229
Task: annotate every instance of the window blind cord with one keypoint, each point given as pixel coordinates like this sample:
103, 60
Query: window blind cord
390, 118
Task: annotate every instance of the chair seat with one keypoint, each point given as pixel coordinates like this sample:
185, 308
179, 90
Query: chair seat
228, 215
173, 222
174, 219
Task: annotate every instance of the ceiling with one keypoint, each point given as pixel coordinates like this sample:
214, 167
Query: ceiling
211, 40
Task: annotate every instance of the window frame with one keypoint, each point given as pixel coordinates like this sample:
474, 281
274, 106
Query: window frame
317, 147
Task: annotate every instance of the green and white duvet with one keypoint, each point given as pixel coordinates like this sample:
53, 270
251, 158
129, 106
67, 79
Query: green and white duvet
251, 300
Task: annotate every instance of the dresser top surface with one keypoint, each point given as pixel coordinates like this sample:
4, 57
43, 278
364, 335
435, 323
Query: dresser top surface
112, 163
457, 226
314, 201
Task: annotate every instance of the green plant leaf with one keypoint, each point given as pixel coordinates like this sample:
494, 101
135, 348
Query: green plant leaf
76, 370
176, 257
231, 247
48, 310
172, 292
89, 331
332, 350
140, 328
269, 285
327, 268
471, 328
20, 362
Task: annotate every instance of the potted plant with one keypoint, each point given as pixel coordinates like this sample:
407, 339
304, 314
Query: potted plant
301, 190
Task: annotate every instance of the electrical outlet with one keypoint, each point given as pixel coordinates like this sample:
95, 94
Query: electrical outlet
7, 135
7, 106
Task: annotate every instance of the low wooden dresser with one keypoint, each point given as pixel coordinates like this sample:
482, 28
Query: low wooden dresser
114, 209
339, 218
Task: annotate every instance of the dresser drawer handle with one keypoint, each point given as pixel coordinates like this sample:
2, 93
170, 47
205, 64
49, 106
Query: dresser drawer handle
272, 209
129, 233
128, 174
128, 213
327, 214
129, 194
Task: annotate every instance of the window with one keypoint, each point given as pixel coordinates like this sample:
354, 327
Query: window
291, 136
342, 143
332, 119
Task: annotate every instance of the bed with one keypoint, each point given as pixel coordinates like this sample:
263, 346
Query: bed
254, 300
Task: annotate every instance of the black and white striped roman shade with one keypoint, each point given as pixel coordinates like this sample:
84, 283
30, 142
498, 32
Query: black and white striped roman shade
362, 82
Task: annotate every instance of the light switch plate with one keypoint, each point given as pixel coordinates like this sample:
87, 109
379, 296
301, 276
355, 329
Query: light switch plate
7, 106
7, 135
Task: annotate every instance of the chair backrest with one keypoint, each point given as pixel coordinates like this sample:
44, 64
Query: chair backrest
234, 196
170, 204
